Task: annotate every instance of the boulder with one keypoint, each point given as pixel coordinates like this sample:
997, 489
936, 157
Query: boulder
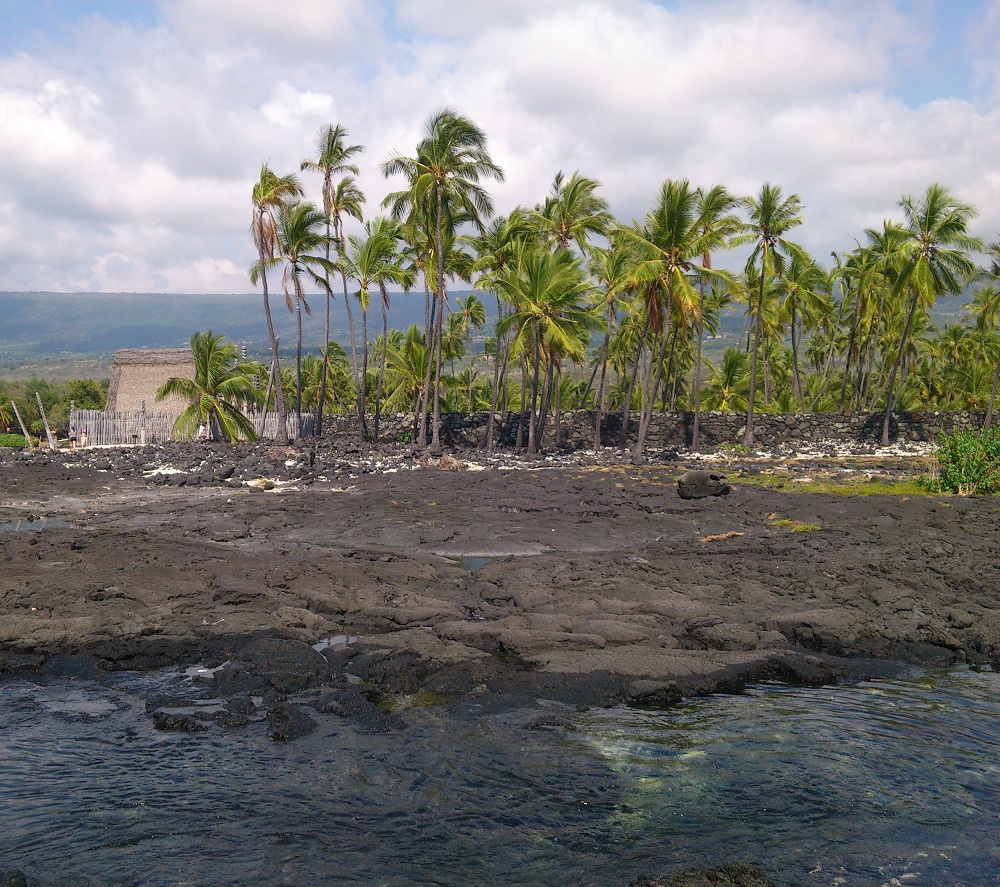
698, 483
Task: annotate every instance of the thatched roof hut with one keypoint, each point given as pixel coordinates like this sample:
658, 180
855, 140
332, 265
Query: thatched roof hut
138, 373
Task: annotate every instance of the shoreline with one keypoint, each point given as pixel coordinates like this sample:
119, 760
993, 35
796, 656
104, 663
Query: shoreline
590, 581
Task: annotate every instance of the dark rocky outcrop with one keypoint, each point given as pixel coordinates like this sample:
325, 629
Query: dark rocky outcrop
698, 484
585, 579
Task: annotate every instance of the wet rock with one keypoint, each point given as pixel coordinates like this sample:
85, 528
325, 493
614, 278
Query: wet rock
364, 708
698, 483
18, 663
654, 694
163, 700
288, 723
168, 721
736, 875
273, 665
15, 878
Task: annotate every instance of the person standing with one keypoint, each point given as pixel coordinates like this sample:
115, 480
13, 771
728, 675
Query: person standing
72, 435
83, 438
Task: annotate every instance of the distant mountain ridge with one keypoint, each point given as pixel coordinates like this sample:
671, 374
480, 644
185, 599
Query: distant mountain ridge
40, 323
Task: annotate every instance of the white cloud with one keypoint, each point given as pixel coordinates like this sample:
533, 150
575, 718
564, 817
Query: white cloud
318, 25
128, 155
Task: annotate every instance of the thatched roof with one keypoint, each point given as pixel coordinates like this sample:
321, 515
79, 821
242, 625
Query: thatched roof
138, 373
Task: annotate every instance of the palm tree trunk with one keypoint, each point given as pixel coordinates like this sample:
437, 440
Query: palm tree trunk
281, 434
532, 426
601, 385
438, 343
696, 430
795, 360
298, 356
328, 297
364, 368
439, 320
524, 401
546, 401
672, 362
993, 397
627, 406
498, 374
424, 399
847, 363
890, 392
748, 436
656, 372
381, 367
359, 405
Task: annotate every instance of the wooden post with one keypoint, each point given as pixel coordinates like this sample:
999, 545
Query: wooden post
24, 428
267, 397
45, 422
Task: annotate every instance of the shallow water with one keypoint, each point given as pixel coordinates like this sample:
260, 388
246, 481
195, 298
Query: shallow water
855, 785
35, 524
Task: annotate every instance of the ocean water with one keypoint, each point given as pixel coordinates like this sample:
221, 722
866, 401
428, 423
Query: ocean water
879, 783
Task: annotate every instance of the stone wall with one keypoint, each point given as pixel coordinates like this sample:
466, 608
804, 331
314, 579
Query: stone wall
673, 430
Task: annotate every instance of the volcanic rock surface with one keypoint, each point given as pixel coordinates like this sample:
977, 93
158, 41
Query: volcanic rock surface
364, 575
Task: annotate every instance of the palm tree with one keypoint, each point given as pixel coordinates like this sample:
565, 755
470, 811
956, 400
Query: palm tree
219, 387
374, 262
728, 385
301, 242
772, 216
719, 224
337, 388
347, 200
469, 315
551, 320
803, 296
406, 371
992, 274
498, 247
444, 176
670, 244
935, 261
333, 158
270, 192
572, 212
612, 269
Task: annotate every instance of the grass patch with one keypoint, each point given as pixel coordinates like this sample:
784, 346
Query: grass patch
841, 486
796, 526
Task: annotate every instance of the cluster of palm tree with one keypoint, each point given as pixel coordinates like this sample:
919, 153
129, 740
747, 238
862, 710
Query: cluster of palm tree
599, 314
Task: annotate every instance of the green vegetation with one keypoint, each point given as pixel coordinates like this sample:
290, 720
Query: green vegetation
969, 463
796, 526
85, 394
599, 313
594, 312
841, 485
12, 440
221, 386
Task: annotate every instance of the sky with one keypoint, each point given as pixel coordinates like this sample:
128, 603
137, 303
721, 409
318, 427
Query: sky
131, 132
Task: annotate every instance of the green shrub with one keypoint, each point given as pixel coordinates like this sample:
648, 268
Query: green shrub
12, 440
969, 463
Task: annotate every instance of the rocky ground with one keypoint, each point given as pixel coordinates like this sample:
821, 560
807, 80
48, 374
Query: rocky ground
344, 580
577, 576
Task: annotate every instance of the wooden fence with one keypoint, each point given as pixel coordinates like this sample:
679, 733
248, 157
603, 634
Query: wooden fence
142, 427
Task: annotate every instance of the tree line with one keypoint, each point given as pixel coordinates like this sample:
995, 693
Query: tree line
593, 312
